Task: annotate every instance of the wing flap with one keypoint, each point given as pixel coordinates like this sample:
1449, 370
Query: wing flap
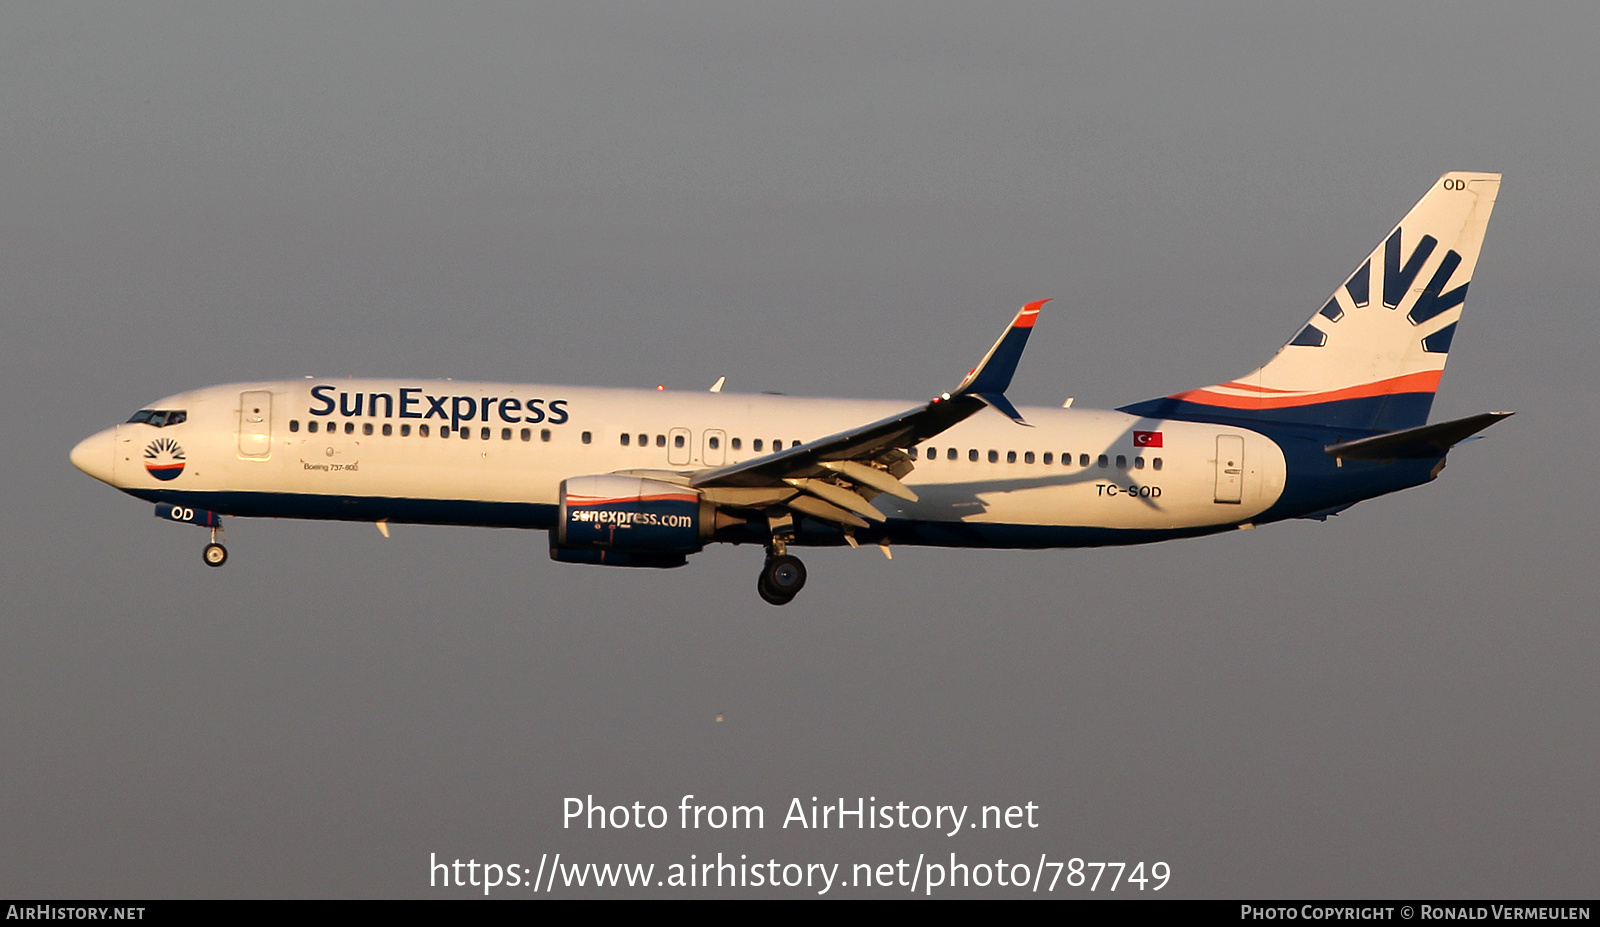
827, 511
881, 480
838, 495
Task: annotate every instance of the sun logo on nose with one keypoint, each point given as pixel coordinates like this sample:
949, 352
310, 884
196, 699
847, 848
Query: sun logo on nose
163, 459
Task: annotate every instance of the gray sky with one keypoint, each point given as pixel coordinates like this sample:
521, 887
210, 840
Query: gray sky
838, 199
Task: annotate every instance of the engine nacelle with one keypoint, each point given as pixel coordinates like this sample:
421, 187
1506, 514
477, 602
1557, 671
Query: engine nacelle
622, 558
627, 514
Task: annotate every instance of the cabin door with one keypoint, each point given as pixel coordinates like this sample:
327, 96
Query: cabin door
255, 424
1230, 469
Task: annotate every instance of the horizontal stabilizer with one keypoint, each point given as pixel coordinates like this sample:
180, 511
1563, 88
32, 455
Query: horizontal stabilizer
1421, 442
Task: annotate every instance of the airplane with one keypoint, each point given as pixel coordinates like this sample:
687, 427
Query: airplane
644, 478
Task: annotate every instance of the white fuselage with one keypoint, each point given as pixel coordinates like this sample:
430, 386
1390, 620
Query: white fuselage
452, 451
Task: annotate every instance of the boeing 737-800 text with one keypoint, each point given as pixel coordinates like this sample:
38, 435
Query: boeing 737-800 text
644, 478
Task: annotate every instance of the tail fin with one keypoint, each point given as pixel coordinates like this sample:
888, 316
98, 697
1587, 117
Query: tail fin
1372, 356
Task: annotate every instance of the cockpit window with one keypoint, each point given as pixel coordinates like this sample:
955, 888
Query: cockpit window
159, 417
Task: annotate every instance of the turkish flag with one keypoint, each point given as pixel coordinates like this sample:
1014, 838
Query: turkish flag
1147, 439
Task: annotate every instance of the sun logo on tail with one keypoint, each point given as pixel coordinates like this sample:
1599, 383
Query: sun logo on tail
163, 459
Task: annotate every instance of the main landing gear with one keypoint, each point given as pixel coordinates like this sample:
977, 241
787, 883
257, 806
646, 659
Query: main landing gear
782, 576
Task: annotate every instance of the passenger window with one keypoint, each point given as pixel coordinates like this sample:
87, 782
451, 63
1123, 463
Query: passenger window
913, 453
294, 424
950, 453
1138, 463
737, 444
444, 431
505, 434
1156, 463
715, 442
677, 440
527, 434
972, 455
1083, 460
311, 426
405, 431
587, 437
661, 440
1049, 458
422, 430
994, 456
626, 438
756, 444
388, 429
544, 434
349, 428
1011, 457
366, 428
1028, 457
484, 433
1103, 462
644, 440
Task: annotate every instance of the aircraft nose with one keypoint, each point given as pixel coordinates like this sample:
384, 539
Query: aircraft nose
94, 455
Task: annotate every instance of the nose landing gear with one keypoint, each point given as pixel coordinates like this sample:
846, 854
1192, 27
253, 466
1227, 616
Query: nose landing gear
215, 554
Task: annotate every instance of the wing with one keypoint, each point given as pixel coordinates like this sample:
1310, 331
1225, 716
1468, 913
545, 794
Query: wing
835, 478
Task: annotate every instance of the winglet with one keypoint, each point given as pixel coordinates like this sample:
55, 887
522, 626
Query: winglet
1003, 405
989, 380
